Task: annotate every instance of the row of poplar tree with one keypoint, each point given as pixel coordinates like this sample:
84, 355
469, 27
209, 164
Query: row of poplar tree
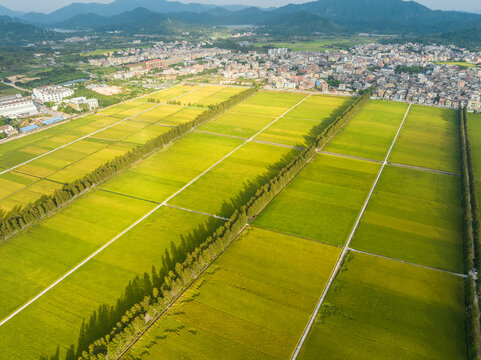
472, 240
110, 329
18, 218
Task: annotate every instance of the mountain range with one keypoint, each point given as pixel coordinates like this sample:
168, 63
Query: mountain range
321, 16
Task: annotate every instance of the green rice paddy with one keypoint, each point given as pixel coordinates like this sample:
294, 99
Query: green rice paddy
414, 216
382, 309
474, 133
429, 139
217, 191
323, 201
371, 132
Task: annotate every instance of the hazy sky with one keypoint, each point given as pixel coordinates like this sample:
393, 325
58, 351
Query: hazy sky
50, 5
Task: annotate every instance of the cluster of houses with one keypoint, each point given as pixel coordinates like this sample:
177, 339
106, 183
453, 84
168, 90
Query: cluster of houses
160, 58
18, 106
426, 74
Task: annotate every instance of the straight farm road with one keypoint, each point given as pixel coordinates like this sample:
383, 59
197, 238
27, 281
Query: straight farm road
346, 248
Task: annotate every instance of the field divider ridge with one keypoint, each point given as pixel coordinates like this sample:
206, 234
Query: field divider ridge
409, 263
115, 238
97, 131
346, 247
196, 212
424, 169
328, 153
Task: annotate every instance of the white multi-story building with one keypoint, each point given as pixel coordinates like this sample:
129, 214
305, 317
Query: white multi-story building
54, 93
277, 52
91, 103
15, 106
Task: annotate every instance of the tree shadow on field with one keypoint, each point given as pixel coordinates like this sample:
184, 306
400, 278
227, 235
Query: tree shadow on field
325, 122
251, 186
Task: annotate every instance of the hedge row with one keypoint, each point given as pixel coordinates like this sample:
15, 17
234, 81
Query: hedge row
476, 224
471, 239
466, 196
151, 295
19, 218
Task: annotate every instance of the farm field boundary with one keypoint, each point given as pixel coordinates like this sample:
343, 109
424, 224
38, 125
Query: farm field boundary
408, 263
413, 167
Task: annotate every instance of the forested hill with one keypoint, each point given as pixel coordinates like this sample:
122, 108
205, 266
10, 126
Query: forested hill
18, 33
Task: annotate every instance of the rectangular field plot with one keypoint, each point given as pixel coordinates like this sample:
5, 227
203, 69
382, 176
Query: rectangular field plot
320, 107
12, 181
414, 216
382, 309
157, 114
292, 131
238, 124
168, 170
146, 134
82, 167
120, 130
474, 134
371, 132
28, 194
55, 318
235, 180
59, 159
169, 94
323, 201
139, 108
268, 103
180, 117
40, 254
198, 97
127, 109
429, 139
220, 96
252, 304
95, 123
27, 147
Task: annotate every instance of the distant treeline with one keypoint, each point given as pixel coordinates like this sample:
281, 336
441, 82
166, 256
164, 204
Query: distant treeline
18, 218
110, 330
472, 241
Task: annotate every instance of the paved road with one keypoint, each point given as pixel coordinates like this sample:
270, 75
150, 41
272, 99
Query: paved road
345, 250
